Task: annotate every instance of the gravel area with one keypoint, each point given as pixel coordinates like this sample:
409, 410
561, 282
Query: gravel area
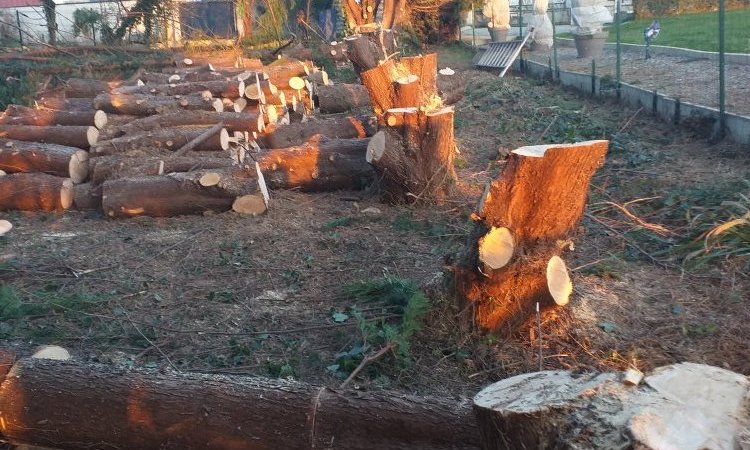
689, 79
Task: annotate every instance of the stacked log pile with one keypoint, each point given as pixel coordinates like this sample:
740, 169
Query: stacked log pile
187, 141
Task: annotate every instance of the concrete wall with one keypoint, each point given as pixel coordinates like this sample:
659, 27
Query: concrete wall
668, 109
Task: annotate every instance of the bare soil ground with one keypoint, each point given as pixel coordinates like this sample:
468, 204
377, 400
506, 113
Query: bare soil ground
260, 296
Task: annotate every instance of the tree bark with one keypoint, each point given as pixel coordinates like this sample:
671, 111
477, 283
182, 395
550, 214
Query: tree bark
525, 220
339, 98
115, 167
86, 88
219, 88
53, 159
413, 154
165, 139
178, 193
87, 197
35, 192
42, 117
161, 78
338, 127
66, 104
367, 50
60, 404
280, 71
320, 164
233, 121
74, 136
148, 105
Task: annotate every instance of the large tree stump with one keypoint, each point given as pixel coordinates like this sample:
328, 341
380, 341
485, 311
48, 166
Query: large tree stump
335, 128
413, 154
148, 105
73, 136
21, 115
233, 121
682, 406
53, 159
77, 406
185, 193
35, 192
525, 220
166, 139
342, 98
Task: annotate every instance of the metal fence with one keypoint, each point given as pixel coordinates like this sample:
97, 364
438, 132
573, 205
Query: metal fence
688, 67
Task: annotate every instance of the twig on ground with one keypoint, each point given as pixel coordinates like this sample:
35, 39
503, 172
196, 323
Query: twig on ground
198, 140
629, 120
367, 361
628, 240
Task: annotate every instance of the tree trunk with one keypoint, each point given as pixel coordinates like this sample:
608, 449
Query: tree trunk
35, 192
116, 167
339, 98
51, 17
338, 127
66, 104
233, 121
166, 139
413, 154
181, 193
74, 406
74, 136
319, 165
367, 50
43, 117
87, 196
219, 88
149, 105
86, 88
53, 159
524, 221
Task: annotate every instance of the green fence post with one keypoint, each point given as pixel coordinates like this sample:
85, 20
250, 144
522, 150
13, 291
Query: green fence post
618, 75
520, 19
20, 32
473, 26
554, 40
722, 86
593, 77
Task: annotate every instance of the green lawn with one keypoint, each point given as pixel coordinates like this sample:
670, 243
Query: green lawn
697, 31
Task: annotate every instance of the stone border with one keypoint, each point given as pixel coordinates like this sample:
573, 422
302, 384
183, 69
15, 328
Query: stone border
730, 58
671, 110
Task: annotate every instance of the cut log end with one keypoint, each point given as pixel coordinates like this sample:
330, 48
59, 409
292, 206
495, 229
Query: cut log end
253, 205
240, 104
66, 194
296, 83
92, 135
100, 119
79, 166
496, 248
53, 352
375, 147
5, 227
218, 105
210, 179
224, 139
558, 281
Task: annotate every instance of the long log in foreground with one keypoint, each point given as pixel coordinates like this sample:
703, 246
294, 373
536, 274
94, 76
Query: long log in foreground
525, 220
334, 128
233, 121
40, 117
114, 167
149, 105
73, 136
35, 192
61, 404
53, 159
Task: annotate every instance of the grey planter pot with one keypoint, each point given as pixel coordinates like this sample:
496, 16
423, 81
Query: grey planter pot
591, 46
498, 34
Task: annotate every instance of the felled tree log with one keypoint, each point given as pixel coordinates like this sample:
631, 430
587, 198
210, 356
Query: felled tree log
186, 193
167, 139
160, 78
280, 71
116, 167
150, 410
53, 159
367, 50
338, 127
66, 104
86, 88
73, 136
320, 164
217, 88
87, 196
148, 105
22, 115
525, 220
680, 406
233, 121
35, 192
413, 154
342, 98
